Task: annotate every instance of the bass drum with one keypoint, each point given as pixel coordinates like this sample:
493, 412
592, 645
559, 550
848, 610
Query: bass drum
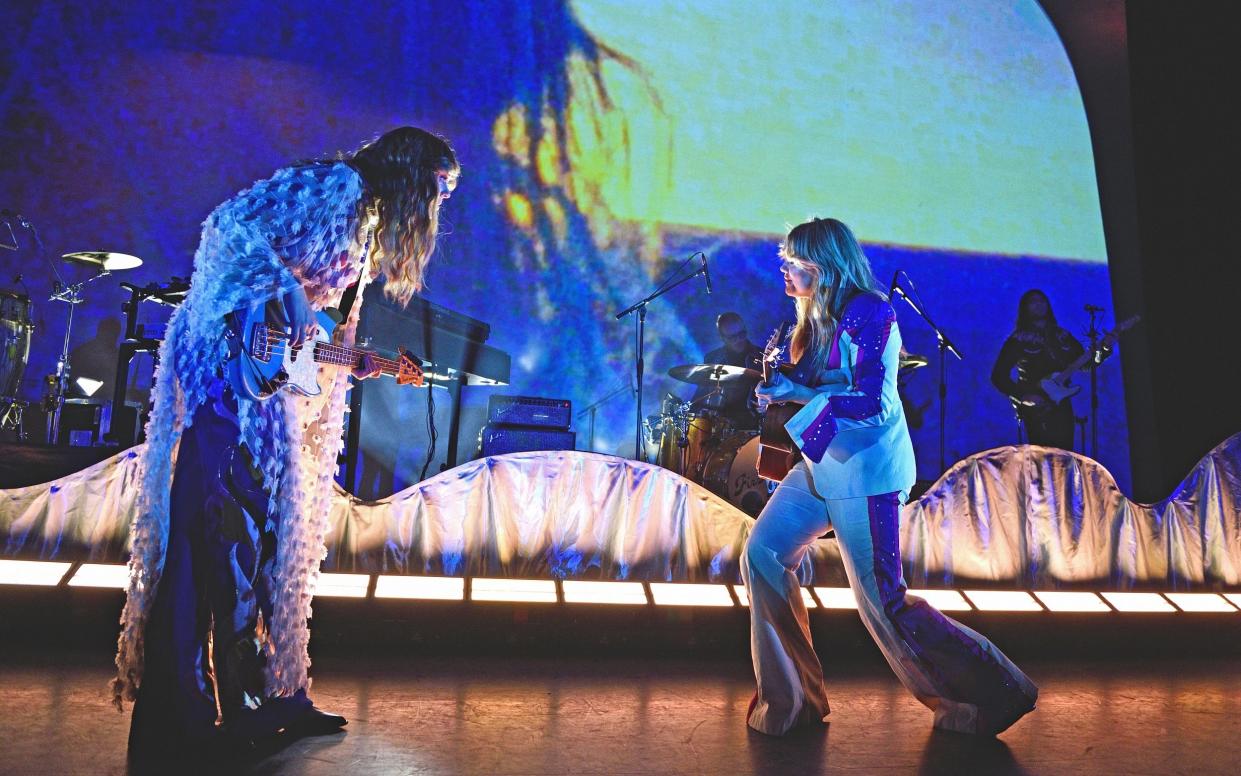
731, 472
15, 327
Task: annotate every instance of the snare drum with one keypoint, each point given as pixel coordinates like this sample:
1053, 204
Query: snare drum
731, 472
15, 328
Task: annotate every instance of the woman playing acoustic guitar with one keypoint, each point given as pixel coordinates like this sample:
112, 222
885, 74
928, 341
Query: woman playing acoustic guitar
857, 468
227, 546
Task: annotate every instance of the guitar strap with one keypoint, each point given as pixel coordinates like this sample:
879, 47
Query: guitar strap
351, 293
347, 300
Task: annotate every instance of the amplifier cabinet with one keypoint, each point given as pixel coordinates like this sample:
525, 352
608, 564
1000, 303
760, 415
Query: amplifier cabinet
530, 411
498, 439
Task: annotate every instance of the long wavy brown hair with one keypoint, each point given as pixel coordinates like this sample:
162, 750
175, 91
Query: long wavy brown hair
829, 250
400, 169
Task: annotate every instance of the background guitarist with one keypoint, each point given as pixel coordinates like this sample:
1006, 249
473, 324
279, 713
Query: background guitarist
1037, 348
226, 547
857, 468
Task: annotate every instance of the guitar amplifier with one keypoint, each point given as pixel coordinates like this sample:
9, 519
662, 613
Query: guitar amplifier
530, 411
498, 439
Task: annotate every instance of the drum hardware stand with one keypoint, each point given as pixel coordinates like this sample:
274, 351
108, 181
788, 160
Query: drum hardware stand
71, 295
592, 409
945, 347
12, 416
640, 335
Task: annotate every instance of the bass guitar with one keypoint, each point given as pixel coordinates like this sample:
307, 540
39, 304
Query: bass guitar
261, 361
776, 451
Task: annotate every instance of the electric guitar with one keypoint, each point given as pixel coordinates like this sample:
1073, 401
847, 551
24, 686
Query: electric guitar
261, 362
776, 451
1057, 387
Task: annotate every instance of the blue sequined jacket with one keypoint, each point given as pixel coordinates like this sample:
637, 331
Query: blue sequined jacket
853, 433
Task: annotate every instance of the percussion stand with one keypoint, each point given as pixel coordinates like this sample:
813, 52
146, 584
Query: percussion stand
945, 347
639, 337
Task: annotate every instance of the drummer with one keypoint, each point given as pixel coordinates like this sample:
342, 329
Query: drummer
731, 401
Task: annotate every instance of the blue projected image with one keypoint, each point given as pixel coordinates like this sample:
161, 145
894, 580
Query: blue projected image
600, 148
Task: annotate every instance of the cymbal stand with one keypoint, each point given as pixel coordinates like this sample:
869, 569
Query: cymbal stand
639, 337
55, 400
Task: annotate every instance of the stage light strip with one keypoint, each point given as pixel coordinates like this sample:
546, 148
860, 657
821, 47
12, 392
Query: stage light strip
1002, 601
743, 596
534, 591
684, 594
836, 597
343, 585
426, 588
944, 600
32, 572
1058, 601
1235, 598
1200, 602
584, 592
1138, 602
100, 575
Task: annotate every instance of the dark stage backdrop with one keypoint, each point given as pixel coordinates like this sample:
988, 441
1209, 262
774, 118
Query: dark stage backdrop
602, 142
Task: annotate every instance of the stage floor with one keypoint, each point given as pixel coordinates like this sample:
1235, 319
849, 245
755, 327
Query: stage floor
490, 715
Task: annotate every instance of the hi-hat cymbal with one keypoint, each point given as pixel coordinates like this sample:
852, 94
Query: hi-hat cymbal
711, 374
106, 260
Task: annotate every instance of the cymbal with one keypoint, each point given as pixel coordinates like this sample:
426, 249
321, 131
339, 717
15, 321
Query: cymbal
104, 260
712, 374
910, 361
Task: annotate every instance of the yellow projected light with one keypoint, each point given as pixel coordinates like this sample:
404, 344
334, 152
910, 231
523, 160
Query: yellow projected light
432, 588
1058, 601
836, 597
1138, 602
1200, 602
342, 585
31, 572
674, 594
582, 592
1002, 601
100, 575
536, 591
944, 600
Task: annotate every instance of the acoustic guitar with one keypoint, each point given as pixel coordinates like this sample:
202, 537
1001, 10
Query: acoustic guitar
776, 451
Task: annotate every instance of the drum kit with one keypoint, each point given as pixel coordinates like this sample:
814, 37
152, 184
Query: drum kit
16, 332
696, 440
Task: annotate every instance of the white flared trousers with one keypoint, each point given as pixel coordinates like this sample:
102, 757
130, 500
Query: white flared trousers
971, 686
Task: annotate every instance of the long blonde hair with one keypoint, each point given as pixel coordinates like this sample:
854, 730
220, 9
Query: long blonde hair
400, 171
830, 251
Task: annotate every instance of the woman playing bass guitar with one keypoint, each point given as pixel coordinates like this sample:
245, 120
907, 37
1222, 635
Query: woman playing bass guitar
227, 544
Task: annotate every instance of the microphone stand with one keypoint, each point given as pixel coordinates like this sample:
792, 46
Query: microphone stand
945, 347
592, 409
639, 337
1093, 334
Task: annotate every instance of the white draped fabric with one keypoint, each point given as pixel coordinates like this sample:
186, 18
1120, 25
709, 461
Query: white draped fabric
1020, 516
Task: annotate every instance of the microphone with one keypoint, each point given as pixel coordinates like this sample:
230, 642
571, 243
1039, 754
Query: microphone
706, 274
13, 214
1090, 308
894, 288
